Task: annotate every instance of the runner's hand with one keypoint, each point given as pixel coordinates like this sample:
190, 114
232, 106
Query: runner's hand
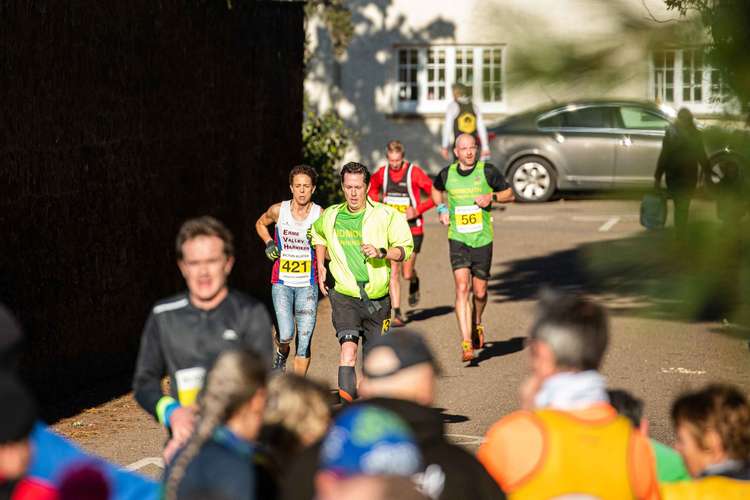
483, 200
322, 280
370, 251
485, 155
411, 213
309, 234
272, 251
444, 153
182, 423
445, 219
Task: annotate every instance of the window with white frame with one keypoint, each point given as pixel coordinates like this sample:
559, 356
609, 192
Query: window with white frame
683, 77
426, 75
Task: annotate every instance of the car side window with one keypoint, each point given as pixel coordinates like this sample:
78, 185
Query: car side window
589, 117
554, 121
638, 118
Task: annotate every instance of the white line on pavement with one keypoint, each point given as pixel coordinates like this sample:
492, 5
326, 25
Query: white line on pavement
140, 464
683, 371
609, 224
465, 439
522, 218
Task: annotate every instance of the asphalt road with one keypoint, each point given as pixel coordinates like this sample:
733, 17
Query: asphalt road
653, 352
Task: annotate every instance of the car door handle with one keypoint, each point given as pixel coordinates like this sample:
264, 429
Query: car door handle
626, 141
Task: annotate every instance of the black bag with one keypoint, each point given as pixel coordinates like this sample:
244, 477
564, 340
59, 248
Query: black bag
654, 210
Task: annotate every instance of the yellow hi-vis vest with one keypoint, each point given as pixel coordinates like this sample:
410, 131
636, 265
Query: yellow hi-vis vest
588, 459
707, 488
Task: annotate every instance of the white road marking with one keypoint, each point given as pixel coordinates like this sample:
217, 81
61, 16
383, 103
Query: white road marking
683, 371
465, 439
140, 464
527, 218
609, 224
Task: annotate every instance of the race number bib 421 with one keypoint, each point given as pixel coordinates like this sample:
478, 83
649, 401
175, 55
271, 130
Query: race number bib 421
294, 266
468, 219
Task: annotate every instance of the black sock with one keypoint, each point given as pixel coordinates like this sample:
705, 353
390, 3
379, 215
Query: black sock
347, 383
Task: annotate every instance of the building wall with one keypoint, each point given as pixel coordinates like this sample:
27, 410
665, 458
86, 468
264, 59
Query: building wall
361, 86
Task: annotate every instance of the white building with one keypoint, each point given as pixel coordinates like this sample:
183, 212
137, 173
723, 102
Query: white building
394, 81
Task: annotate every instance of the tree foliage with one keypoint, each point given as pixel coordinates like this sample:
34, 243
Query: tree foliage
337, 20
728, 24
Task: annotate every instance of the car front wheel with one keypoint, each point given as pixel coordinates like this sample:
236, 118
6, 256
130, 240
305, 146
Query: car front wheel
532, 179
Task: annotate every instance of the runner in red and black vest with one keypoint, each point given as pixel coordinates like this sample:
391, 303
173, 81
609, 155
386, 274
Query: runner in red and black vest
399, 184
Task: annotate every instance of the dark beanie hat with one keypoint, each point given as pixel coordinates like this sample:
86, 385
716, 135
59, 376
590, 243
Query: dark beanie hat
18, 409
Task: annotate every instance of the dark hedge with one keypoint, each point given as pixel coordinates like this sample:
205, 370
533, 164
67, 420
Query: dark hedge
118, 120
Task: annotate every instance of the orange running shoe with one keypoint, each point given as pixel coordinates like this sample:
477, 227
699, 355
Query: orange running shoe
467, 351
477, 337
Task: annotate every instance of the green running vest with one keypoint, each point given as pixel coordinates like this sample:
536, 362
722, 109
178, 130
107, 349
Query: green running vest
470, 224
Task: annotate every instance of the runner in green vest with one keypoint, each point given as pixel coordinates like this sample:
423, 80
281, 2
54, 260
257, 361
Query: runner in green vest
469, 187
361, 238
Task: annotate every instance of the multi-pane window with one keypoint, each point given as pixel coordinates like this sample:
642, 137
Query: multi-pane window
425, 76
408, 65
436, 76
492, 66
684, 77
464, 66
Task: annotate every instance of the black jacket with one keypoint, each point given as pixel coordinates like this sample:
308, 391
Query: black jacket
448, 467
178, 335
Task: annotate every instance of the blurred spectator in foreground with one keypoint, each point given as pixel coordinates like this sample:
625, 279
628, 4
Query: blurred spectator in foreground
568, 439
369, 453
218, 457
52, 454
84, 483
297, 415
713, 436
16, 423
400, 376
681, 152
669, 465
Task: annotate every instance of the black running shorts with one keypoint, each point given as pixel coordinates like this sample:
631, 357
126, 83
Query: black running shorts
478, 260
351, 317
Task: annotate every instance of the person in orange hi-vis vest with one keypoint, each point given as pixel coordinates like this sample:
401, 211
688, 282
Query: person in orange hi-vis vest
568, 439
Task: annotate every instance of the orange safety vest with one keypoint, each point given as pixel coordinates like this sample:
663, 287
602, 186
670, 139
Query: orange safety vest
708, 488
550, 453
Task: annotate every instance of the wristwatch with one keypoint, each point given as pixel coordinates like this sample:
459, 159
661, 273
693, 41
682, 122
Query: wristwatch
383, 252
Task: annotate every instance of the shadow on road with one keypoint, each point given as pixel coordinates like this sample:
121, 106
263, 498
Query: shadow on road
650, 274
423, 314
499, 348
449, 418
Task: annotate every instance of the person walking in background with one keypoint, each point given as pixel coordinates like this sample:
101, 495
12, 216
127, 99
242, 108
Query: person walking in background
185, 333
463, 117
399, 184
219, 455
713, 436
294, 284
360, 237
568, 439
670, 467
681, 155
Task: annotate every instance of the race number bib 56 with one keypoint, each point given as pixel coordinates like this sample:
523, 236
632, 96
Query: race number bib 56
468, 219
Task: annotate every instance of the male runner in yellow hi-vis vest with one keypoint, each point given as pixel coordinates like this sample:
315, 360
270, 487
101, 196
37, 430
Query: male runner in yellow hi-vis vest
568, 441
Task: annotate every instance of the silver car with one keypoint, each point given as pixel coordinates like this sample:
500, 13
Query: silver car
591, 145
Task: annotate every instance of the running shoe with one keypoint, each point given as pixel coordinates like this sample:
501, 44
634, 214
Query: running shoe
398, 320
467, 352
279, 361
477, 337
414, 292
